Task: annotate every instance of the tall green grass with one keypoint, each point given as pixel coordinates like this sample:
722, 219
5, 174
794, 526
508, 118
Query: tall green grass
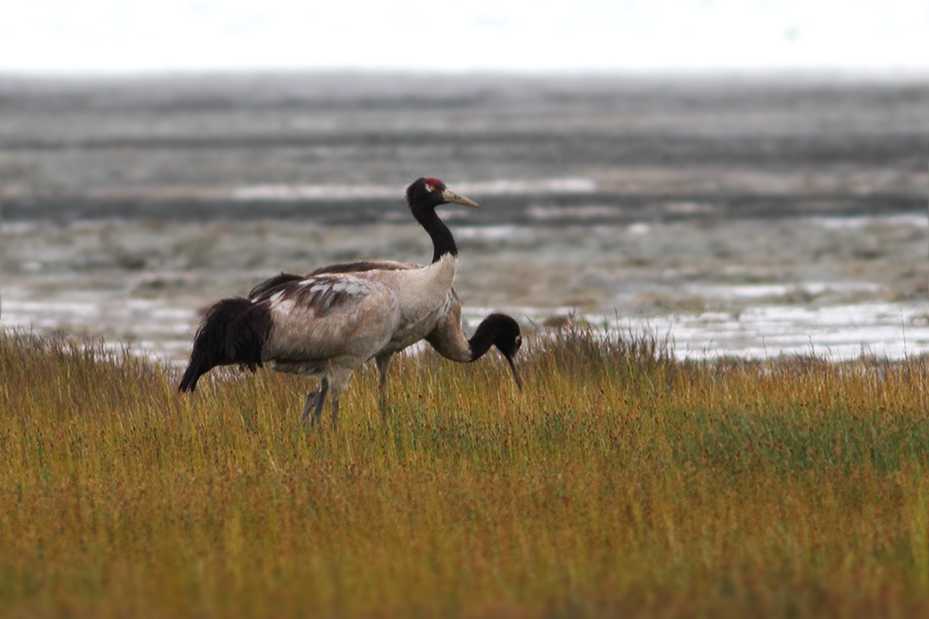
620, 482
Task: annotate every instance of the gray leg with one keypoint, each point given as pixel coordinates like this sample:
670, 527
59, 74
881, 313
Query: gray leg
324, 389
338, 380
315, 400
308, 405
383, 364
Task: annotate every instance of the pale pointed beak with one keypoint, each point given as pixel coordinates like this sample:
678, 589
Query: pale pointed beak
519, 381
453, 198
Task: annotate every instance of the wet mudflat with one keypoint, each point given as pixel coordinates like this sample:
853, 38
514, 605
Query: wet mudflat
748, 218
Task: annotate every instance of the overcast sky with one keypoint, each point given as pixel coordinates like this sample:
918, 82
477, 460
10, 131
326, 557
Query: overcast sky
76, 36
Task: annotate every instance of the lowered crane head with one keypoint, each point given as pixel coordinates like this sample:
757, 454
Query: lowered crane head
502, 332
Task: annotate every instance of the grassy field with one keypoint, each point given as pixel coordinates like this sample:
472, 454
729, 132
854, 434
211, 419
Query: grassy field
619, 483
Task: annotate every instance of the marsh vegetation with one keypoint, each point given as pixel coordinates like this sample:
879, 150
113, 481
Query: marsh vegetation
619, 482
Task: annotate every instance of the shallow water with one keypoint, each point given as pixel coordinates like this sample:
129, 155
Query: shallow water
750, 219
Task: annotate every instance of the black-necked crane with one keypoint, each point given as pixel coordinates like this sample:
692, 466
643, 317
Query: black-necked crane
447, 336
330, 324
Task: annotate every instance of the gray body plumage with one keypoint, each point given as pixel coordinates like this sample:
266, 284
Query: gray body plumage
325, 321
329, 324
441, 328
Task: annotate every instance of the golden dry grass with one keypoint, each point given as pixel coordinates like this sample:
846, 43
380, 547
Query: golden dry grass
619, 483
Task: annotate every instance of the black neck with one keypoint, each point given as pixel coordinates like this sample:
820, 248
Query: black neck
482, 340
442, 240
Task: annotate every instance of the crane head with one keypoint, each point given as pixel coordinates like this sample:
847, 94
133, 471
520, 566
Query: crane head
429, 192
507, 339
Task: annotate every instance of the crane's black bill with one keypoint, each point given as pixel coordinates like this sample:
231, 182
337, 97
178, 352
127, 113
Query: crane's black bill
519, 381
453, 198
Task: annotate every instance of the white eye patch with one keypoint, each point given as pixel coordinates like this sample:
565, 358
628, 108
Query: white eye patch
429, 187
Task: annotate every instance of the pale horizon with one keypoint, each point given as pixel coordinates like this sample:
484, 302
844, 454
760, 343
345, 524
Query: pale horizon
107, 37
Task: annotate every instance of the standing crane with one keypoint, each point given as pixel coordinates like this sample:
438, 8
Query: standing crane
447, 336
330, 324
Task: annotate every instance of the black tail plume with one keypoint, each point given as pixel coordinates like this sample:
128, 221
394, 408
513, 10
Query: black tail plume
234, 331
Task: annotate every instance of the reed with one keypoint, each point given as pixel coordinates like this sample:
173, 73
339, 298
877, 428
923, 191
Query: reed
620, 482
